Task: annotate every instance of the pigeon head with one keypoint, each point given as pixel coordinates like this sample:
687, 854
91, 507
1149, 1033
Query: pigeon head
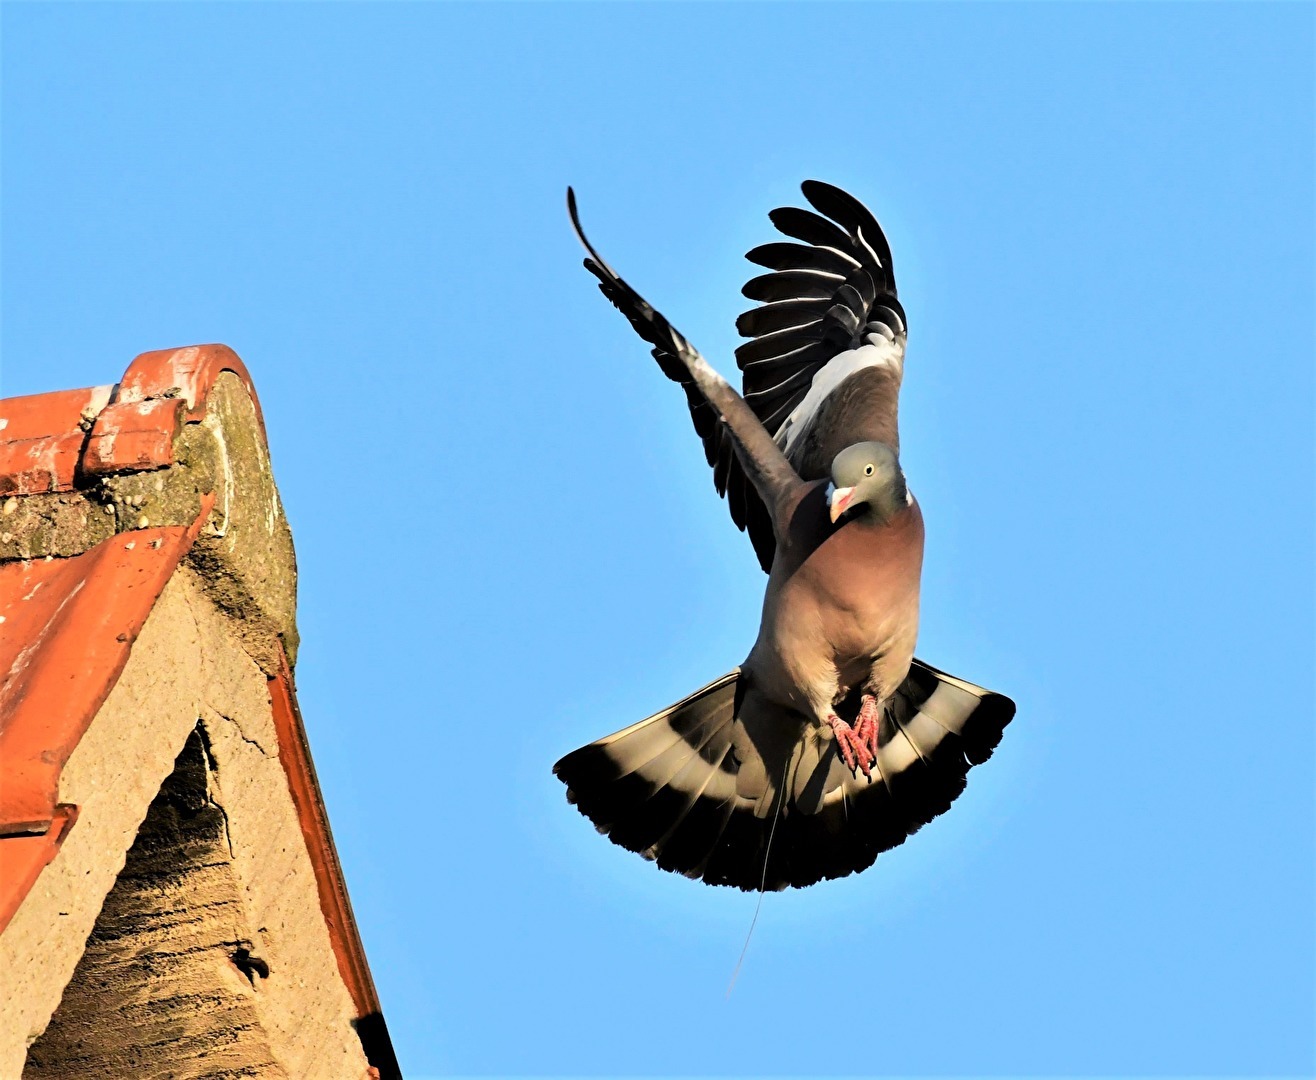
867, 482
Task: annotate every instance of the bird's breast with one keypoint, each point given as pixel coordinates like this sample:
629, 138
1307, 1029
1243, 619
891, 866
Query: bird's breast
846, 607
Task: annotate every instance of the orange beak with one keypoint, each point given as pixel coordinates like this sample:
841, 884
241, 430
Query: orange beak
839, 501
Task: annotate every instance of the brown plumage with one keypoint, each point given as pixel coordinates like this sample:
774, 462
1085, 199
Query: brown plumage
830, 738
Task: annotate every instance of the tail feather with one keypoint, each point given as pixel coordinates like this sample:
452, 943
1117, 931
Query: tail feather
688, 847
697, 786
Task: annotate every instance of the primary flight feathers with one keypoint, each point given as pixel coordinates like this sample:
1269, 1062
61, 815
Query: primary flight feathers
808, 462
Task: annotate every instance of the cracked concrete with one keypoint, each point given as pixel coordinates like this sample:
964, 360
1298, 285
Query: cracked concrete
241, 734
157, 992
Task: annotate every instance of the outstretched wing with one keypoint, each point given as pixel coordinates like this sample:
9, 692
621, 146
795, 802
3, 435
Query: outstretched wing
824, 365
825, 297
712, 399
823, 368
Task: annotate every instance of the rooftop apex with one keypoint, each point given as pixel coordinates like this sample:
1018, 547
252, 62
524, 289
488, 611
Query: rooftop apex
148, 592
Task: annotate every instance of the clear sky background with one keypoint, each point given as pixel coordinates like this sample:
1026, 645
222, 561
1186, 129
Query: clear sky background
509, 543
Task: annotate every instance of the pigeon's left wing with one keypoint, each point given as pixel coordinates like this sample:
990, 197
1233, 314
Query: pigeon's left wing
824, 366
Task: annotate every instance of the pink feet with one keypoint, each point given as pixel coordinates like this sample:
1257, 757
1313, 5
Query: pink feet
866, 726
854, 750
858, 745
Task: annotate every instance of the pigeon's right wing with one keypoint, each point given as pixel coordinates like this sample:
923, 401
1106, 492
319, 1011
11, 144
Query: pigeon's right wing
716, 406
824, 367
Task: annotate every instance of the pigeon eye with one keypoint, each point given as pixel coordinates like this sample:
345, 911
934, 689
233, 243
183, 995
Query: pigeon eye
868, 470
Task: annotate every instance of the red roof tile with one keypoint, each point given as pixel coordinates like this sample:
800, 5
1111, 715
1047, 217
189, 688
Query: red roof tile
41, 437
46, 439
68, 627
136, 430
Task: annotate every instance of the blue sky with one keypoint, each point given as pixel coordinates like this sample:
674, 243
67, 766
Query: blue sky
1102, 219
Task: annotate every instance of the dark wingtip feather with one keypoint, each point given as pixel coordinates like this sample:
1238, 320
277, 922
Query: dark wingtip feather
854, 217
839, 205
670, 350
783, 255
574, 214
791, 285
807, 226
595, 264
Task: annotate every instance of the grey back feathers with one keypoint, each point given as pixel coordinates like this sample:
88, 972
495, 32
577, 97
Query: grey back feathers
695, 787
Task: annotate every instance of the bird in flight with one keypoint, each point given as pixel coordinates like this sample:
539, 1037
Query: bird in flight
830, 743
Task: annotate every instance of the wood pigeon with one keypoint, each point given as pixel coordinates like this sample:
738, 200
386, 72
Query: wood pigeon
830, 743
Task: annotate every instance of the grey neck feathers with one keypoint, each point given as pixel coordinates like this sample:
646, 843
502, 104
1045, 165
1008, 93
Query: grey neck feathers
882, 504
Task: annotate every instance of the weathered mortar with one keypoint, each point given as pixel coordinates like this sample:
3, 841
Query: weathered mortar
65, 523
245, 553
225, 454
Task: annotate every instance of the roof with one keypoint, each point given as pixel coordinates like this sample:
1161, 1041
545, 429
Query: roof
105, 494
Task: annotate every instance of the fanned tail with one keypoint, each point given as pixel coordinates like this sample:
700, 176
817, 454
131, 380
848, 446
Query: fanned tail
696, 787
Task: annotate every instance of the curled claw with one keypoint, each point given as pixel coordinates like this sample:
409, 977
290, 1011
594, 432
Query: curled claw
866, 726
854, 752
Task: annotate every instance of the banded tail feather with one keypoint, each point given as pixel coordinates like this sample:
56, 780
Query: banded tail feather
695, 787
